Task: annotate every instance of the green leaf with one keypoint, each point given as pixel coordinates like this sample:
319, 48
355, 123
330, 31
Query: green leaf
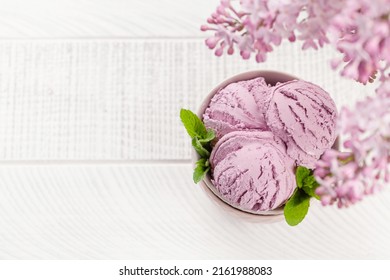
296, 207
310, 181
310, 185
300, 174
200, 170
193, 124
306, 181
199, 148
209, 136
311, 192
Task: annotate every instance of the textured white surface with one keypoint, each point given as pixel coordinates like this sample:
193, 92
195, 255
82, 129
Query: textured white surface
155, 211
120, 99
94, 161
103, 18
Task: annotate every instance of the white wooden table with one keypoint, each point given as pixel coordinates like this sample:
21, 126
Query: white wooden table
94, 161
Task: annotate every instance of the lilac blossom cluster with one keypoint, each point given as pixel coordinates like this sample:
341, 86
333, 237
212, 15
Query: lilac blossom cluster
358, 29
346, 177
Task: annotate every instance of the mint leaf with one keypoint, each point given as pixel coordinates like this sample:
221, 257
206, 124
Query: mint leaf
310, 185
200, 170
201, 138
193, 124
209, 136
311, 192
199, 148
296, 207
306, 181
300, 174
310, 181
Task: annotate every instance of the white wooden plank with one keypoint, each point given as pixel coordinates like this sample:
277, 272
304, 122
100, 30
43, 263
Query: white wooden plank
156, 212
103, 18
120, 99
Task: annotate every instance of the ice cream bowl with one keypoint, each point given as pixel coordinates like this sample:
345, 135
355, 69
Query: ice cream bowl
275, 215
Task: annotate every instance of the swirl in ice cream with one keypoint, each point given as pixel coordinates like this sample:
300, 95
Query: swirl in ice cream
238, 106
252, 170
304, 116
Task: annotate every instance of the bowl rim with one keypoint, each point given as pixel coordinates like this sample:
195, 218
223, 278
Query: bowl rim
206, 183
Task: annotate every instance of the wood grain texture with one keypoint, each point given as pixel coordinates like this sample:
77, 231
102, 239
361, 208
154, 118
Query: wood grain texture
103, 18
120, 99
72, 90
156, 212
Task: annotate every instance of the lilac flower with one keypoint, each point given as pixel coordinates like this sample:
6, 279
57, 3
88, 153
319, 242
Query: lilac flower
346, 178
358, 29
256, 27
362, 35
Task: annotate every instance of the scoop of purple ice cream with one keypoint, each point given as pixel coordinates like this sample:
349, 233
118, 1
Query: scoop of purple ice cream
304, 116
238, 106
252, 171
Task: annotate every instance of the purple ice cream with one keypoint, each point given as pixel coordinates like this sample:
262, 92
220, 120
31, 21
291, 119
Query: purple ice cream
304, 116
252, 171
238, 106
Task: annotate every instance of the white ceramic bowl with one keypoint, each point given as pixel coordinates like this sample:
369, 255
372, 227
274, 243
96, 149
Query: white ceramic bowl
271, 77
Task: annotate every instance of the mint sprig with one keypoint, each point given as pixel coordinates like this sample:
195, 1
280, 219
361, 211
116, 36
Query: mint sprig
210, 135
300, 174
201, 138
199, 148
298, 205
193, 125
201, 169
